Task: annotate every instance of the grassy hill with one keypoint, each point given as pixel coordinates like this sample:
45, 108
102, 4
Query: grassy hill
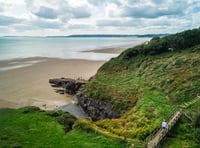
146, 82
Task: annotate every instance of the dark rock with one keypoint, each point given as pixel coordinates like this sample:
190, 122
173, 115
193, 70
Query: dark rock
95, 108
70, 86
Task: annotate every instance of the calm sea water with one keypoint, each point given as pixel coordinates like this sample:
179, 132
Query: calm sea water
67, 48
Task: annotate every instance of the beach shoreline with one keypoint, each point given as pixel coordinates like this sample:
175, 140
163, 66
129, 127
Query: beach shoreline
24, 81
27, 85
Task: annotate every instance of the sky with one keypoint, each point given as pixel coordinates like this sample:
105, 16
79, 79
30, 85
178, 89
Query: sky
66, 17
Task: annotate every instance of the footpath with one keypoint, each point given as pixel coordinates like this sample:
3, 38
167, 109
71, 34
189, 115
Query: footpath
159, 134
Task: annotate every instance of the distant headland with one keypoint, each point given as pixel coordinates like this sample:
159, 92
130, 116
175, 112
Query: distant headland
109, 35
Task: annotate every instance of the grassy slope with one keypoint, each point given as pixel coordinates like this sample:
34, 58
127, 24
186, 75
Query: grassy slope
182, 135
160, 86
145, 88
37, 129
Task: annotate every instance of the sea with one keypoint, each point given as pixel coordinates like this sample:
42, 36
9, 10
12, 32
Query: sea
63, 47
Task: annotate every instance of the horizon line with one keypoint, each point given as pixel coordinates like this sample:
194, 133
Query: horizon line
90, 35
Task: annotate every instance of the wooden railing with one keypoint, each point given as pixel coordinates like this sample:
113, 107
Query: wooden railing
158, 134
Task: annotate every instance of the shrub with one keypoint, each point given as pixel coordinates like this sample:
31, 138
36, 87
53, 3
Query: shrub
30, 109
16, 145
197, 120
85, 125
54, 113
197, 135
67, 120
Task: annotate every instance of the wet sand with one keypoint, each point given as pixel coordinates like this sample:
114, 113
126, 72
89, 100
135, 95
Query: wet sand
108, 50
25, 81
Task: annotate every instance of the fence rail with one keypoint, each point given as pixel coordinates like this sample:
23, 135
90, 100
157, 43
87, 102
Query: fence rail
158, 134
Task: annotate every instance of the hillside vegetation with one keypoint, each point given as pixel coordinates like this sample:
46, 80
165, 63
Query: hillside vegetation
31, 127
145, 83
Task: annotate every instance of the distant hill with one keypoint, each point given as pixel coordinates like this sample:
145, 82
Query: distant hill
116, 35
97, 35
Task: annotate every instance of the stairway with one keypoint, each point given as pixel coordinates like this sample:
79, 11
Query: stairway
158, 137
175, 116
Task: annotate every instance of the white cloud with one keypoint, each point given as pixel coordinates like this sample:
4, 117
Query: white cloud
62, 17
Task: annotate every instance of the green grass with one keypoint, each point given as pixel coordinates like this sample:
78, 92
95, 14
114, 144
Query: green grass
183, 133
41, 129
145, 89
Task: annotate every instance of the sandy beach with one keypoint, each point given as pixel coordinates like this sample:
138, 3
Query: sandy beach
25, 81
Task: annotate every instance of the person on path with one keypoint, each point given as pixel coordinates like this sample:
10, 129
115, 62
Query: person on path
164, 124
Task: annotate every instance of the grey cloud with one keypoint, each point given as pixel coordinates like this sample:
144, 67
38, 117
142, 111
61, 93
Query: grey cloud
140, 12
100, 2
79, 26
151, 11
109, 23
160, 23
118, 23
135, 2
137, 23
7, 20
23, 27
68, 12
47, 13
80, 12
1, 8
158, 1
96, 2
63, 11
154, 9
46, 24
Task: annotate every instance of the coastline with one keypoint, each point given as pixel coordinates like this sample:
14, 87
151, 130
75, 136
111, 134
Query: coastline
107, 50
25, 81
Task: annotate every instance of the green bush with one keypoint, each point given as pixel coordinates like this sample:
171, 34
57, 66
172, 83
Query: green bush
30, 109
197, 135
54, 113
16, 145
67, 120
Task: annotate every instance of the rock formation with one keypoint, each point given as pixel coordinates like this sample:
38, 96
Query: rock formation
95, 108
70, 86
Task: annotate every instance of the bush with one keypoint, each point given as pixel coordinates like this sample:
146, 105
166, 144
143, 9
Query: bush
197, 120
179, 41
67, 120
54, 113
30, 109
16, 145
197, 135
85, 125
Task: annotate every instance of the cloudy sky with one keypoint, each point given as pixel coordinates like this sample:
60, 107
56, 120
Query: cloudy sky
65, 17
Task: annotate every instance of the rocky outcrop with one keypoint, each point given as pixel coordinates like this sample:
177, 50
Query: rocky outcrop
70, 86
95, 108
